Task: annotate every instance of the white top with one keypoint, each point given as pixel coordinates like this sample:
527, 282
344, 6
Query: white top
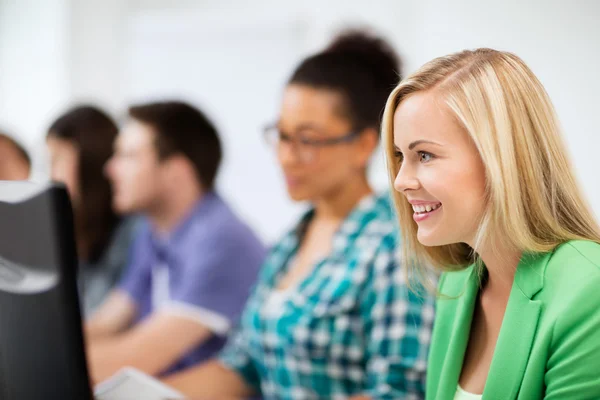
461, 394
273, 305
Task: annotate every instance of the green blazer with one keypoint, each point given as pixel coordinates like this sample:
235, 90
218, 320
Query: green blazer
549, 343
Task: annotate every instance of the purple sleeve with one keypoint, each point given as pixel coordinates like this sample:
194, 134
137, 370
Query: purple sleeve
220, 275
136, 280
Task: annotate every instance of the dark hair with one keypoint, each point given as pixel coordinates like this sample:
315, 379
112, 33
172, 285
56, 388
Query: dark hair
93, 132
361, 67
183, 129
17, 146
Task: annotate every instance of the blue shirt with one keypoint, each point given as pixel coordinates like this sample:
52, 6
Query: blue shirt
352, 326
202, 270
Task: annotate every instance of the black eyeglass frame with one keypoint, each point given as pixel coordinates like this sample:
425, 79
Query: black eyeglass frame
326, 142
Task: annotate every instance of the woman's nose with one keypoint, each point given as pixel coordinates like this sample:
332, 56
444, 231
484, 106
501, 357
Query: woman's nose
406, 179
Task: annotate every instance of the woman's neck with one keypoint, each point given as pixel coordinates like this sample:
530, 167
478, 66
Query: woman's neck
501, 262
340, 202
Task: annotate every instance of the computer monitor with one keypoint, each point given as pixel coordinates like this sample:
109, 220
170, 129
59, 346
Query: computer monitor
41, 342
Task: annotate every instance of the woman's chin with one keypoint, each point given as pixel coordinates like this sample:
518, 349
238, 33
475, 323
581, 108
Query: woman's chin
428, 240
298, 195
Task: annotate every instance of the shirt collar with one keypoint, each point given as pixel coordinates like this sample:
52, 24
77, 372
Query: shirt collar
351, 225
162, 244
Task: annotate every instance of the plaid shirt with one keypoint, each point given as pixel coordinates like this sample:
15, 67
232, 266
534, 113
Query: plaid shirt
351, 327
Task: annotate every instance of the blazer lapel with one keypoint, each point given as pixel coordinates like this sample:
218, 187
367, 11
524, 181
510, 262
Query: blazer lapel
459, 335
519, 327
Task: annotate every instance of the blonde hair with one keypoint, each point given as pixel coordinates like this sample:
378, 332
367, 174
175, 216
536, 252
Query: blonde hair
533, 200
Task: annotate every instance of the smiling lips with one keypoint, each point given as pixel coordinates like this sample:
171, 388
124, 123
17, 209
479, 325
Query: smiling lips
424, 210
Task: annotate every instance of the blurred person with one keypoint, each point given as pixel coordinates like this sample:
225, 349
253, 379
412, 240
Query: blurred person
193, 260
79, 143
331, 316
15, 163
485, 192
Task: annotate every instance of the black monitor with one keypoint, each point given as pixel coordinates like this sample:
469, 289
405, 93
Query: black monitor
41, 342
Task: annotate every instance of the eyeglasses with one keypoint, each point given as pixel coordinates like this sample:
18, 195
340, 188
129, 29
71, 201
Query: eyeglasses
306, 148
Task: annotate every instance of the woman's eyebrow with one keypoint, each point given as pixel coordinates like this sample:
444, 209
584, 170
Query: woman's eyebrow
418, 142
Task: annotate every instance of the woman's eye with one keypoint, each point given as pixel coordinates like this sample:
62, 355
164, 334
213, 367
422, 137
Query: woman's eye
425, 156
284, 137
307, 141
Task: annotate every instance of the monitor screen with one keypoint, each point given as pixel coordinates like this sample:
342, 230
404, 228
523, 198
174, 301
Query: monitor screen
41, 343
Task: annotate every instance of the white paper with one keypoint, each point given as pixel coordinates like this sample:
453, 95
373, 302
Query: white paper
131, 384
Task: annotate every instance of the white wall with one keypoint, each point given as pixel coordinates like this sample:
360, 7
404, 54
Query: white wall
234, 63
34, 69
96, 51
231, 57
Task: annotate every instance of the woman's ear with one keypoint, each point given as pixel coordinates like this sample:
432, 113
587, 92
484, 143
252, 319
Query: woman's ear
366, 144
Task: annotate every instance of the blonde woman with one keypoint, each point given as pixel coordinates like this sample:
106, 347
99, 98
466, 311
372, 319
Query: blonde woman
486, 193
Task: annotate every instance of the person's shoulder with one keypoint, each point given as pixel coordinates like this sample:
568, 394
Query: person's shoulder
574, 264
220, 229
571, 290
453, 283
586, 252
218, 220
214, 210
376, 218
571, 281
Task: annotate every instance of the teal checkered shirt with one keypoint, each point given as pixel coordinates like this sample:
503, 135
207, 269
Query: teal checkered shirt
351, 327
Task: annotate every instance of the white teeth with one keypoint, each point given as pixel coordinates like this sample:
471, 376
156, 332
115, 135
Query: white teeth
427, 208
